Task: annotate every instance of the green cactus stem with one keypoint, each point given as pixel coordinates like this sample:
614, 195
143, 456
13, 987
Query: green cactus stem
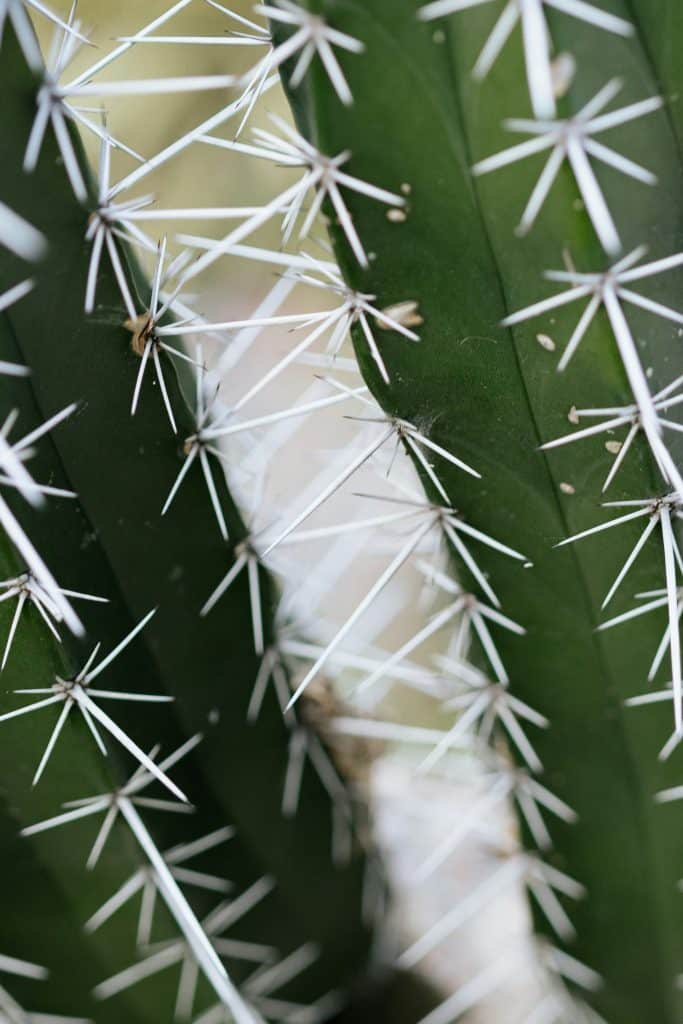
492, 395
113, 542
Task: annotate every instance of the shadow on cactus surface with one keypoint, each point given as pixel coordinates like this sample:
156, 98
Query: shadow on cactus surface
499, 316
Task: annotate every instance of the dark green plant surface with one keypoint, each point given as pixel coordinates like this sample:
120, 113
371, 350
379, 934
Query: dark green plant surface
113, 542
492, 396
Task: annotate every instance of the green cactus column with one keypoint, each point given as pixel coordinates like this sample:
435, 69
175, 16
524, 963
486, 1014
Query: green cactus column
419, 122
113, 542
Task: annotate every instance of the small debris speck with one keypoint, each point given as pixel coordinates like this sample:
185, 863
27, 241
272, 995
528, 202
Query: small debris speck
214, 716
405, 313
546, 342
573, 415
439, 36
567, 488
613, 447
397, 216
563, 70
406, 189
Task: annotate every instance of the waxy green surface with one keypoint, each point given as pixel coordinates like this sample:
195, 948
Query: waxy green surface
492, 396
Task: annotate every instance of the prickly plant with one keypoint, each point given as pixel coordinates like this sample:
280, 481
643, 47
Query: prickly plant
540, 234
499, 184
180, 826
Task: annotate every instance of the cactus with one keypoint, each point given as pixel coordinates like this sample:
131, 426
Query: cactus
482, 224
112, 543
496, 180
